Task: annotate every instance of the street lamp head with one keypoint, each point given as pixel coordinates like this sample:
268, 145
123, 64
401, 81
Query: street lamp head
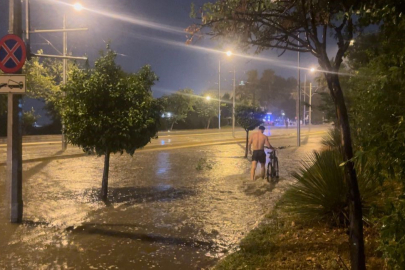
312, 70
229, 53
78, 7
207, 97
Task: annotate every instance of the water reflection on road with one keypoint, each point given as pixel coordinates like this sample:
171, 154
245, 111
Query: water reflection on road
161, 213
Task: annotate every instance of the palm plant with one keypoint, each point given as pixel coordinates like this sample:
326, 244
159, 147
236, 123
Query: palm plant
333, 140
321, 192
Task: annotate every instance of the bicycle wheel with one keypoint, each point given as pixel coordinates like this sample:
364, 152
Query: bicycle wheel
273, 169
268, 171
276, 168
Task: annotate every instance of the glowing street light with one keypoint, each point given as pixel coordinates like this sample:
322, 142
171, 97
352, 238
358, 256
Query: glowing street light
312, 70
208, 98
78, 7
169, 114
229, 53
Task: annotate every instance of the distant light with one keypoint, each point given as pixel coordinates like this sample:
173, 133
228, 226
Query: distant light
264, 119
163, 115
169, 114
242, 83
78, 6
229, 53
283, 114
269, 113
207, 97
312, 70
352, 42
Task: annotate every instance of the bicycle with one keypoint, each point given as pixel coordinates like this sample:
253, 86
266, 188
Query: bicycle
272, 167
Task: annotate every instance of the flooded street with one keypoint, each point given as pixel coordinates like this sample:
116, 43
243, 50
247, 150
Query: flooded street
169, 209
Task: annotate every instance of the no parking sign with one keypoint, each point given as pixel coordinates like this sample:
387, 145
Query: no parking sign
12, 53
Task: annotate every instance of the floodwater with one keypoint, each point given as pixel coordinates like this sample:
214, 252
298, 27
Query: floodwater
174, 209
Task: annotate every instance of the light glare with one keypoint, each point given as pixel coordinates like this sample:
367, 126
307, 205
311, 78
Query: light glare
229, 53
78, 6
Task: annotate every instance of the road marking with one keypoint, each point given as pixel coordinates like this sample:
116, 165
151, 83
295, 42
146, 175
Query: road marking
164, 148
220, 133
160, 146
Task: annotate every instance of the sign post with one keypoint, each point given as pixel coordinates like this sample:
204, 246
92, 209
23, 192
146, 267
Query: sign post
12, 58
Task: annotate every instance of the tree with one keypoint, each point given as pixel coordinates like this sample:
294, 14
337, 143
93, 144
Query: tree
377, 95
177, 106
249, 91
28, 119
248, 117
206, 107
267, 91
44, 79
107, 110
301, 26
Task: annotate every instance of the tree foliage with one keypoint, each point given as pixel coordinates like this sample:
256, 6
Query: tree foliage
107, 110
248, 117
377, 92
377, 98
270, 91
206, 107
178, 104
28, 120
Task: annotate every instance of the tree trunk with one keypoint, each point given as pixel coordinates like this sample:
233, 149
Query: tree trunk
209, 121
104, 185
356, 215
247, 142
171, 127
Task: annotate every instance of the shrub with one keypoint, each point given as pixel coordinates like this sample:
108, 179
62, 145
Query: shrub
333, 140
321, 191
393, 234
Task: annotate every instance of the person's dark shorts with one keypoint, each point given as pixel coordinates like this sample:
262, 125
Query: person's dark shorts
259, 156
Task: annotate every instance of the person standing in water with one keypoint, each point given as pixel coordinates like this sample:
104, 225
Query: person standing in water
258, 140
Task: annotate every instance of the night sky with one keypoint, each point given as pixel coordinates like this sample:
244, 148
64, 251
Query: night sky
148, 32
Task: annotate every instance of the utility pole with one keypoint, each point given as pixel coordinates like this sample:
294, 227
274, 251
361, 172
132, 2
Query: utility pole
233, 105
14, 130
299, 101
305, 92
64, 143
310, 105
219, 95
64, 55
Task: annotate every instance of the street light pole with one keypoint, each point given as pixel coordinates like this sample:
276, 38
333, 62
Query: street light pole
305, 92
219, 95
310, 105
64, 78
233, 105
299, 102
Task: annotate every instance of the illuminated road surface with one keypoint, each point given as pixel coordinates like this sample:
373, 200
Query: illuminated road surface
182, 202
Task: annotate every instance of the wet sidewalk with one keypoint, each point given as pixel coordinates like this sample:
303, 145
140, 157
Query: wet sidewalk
175, 209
